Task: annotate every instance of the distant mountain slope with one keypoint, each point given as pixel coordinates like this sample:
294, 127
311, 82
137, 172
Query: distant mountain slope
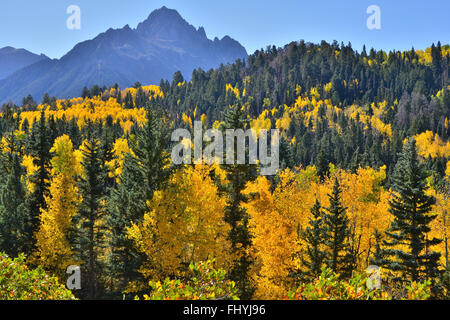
12, 59
155, 50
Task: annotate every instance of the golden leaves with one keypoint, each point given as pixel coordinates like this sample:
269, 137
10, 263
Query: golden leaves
184, 224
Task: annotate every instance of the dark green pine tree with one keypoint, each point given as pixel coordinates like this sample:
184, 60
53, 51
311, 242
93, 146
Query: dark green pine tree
411, 208
336, 231
39, 145
126, 204
107, 145
322, 166
128, 101
286, 155
313, 236
377, 256
89, 236
238, 175
13, 212
355, 161
152, 151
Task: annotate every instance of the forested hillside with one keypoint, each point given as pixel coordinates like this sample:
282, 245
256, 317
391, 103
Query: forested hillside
364, 180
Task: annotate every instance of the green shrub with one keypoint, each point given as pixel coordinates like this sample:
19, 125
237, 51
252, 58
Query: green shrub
18, 282
206, 283
329, 286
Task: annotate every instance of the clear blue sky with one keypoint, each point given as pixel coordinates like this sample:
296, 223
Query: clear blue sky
40, 25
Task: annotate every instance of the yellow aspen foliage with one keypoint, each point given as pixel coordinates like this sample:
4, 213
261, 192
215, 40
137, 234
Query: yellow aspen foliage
95, 109
152, 91
234, 90
430, 144
5, 144
120, 149
440, 227
327, 88
260, 123
284, 122
378, 109
53, 249
185, 224
314, 93
204, 119
425, 55
367, 207
30, 168
447, 171
186, 119
278, 218
273, 223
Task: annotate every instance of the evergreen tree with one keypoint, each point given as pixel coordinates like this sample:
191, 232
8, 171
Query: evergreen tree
89, 238
39, 148
237, 176
286, 156
336, 230
377, 257
13, 213
151, 151
411, 208
322, 166
126, 204
313, 237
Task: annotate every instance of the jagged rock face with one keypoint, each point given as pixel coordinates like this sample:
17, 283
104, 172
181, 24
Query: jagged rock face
161, 45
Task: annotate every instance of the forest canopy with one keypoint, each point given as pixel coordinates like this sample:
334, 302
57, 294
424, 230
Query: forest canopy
364, 159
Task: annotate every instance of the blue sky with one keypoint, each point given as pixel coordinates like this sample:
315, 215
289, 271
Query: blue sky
40, 25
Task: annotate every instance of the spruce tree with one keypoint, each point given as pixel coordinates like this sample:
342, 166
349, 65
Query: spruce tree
39, 145
322, 166
237, 176
13, 213
89, 238
336, 230
411, 208
151, 151
313, 237
377, 256
286, 155
126, 204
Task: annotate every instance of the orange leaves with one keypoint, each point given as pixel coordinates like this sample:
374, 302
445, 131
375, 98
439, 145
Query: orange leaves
277, 217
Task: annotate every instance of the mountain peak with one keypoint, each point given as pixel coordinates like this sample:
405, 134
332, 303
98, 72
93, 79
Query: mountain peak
7, 49
201, 32
163, 15
166, 24
13, 59
165, 12
159, 46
